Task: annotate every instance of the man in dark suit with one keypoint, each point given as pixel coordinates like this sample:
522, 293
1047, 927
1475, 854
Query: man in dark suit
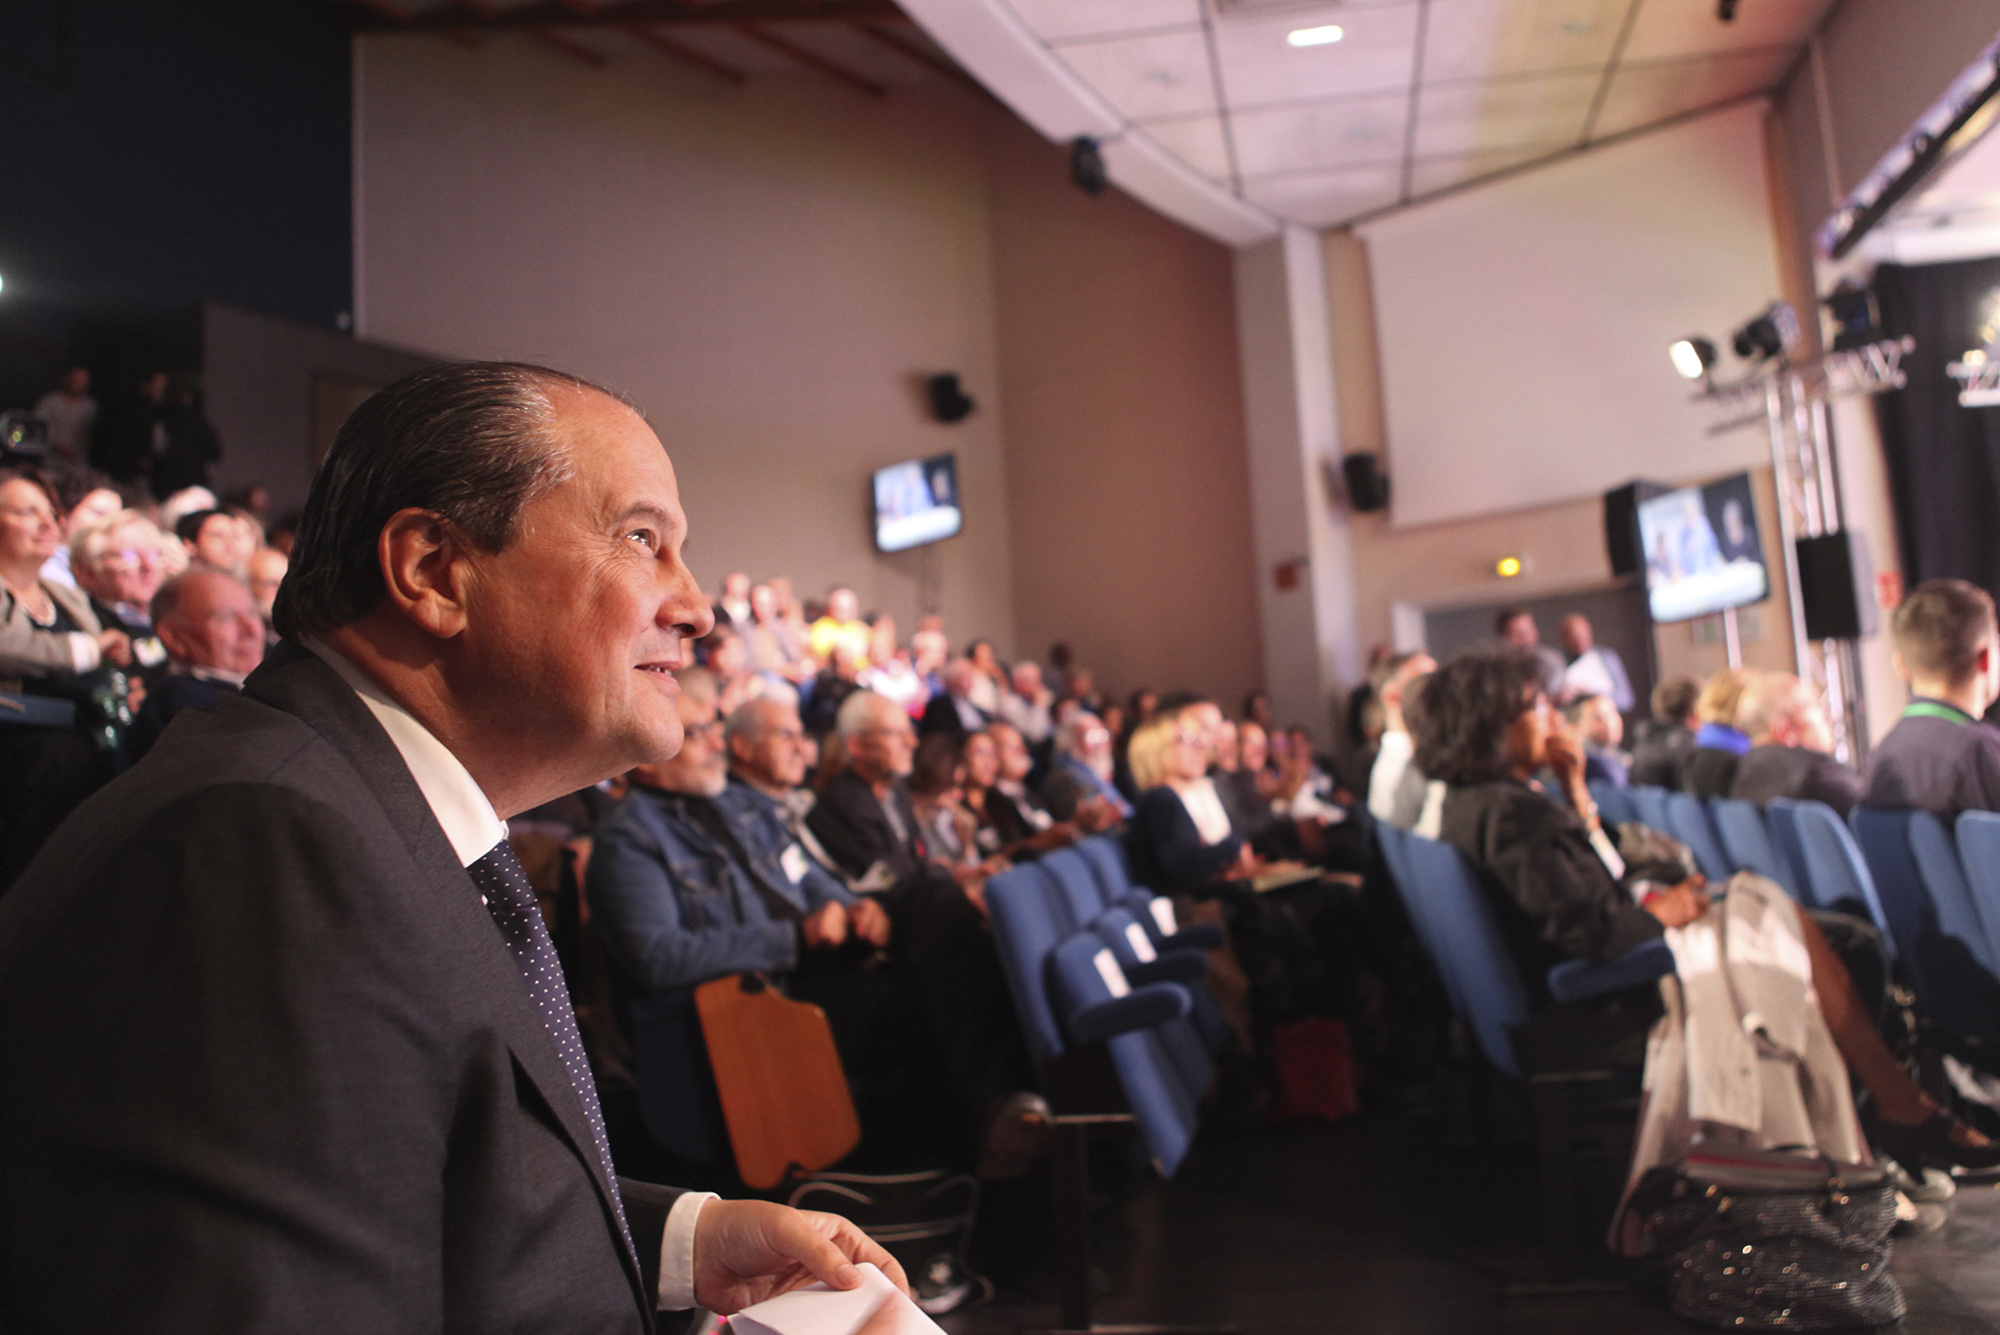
283, 1041
214, 639
952, 710
1791, 747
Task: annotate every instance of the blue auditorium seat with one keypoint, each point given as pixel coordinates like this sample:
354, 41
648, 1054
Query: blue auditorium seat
1946, 965
1651, 804
1831, 871
1026, 931
1106, 857
1081, 898
1979, 856
1614, 803
1747, 842
1687, 821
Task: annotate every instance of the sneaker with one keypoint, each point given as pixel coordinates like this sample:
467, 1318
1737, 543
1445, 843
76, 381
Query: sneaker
1928, 1186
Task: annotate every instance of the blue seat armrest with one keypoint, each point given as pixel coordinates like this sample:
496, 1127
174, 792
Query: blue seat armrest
1195, 936
1172, 966
1576, 980
1141, 1008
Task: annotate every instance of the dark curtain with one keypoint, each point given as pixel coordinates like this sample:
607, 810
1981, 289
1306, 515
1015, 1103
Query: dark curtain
1944, 460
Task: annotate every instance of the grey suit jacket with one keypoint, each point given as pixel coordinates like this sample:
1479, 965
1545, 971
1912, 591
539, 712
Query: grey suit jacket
267, 1064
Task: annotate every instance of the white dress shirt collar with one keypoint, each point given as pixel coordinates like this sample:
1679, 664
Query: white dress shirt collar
459, 804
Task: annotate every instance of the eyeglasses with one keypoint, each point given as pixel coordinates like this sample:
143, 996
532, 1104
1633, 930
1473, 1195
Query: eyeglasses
1096, 737
1190, 739
702, 732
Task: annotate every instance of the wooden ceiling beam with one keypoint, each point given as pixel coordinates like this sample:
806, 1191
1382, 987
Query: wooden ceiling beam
813, 60
686, 54
482, 15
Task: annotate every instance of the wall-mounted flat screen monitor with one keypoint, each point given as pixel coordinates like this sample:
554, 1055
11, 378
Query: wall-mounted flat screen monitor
1702, 550
916, 503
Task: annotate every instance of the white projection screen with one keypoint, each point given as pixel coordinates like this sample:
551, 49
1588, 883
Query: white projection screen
1524, 325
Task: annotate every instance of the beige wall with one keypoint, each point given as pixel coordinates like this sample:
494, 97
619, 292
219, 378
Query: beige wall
769, 271
1127, 481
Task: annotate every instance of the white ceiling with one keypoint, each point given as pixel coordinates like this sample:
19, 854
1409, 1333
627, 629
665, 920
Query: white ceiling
1420, 96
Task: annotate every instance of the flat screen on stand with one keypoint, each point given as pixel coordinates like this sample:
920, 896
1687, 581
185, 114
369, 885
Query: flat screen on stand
916, 502
1703, 553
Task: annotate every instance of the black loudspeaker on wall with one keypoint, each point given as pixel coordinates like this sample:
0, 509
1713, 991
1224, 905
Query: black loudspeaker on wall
1367, 484
1836, 583
949, 401
1621, 526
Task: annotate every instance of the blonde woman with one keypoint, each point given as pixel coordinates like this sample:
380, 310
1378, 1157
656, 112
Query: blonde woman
1181, 840
1718, 743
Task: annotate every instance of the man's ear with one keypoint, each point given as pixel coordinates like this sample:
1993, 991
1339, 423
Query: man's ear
424, 567
1902, 669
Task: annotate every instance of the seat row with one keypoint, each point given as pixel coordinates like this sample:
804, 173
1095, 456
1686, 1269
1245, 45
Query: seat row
1094, 962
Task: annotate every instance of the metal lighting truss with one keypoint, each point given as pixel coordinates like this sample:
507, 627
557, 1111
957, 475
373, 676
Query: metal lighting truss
1791, 399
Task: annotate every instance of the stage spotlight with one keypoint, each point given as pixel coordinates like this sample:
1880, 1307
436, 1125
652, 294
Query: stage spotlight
1692, 357
1508, 567
1852, 307
1769, 335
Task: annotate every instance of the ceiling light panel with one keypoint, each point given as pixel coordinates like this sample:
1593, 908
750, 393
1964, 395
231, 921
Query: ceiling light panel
1480, 39
1517, 114
1197, 141
1063, 20
1350, 133
1163, 75
1651, 93
1260, 66
1324, 199
1685, 28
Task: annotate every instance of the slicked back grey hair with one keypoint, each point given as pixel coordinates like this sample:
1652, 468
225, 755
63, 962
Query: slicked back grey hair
469, 441
857, 713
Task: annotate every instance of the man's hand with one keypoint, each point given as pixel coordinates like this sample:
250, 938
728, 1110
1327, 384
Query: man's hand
115, 645
1681, 905
1566, 757
1096, 815
870, 921
747, 1251
825, 927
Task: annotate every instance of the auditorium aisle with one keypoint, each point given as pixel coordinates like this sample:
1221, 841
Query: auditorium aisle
1367, 1227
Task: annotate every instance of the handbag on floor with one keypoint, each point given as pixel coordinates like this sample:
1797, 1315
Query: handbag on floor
1769, 1240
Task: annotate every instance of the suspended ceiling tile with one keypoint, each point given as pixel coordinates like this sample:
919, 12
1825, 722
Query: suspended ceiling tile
1197, 141
1501, 116
1163, 75
1348, 133
1259, 65
1065, 20
1647, 94
1690, 27
1479, 39
1427, 176
1323, 199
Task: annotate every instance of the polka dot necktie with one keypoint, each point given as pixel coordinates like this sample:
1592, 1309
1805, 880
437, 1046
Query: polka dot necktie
504, 889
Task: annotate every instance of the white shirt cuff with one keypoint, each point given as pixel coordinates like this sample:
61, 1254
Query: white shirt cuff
677, 1252
83, 650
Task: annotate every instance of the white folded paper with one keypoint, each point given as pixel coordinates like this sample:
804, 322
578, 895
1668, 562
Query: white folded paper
819, 1310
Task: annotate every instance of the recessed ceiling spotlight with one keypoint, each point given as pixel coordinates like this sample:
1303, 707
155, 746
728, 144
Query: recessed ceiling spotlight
1321, 36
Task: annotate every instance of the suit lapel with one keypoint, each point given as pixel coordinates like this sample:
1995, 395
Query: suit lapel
295, 681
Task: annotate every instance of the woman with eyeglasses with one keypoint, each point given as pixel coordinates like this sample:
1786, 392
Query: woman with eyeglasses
1485, 730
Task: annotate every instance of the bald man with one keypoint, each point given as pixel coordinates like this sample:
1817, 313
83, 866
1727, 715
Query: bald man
1791, 745
214, 639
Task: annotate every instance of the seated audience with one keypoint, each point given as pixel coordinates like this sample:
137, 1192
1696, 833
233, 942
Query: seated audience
1600, 727
1028, 707
1555, 883
217, 539
929, 651
85, 497
842, 625
771, 752
863, 816
267, 571
952, 710
1719, 745
1011, 790
989, 681
214, 639
1395, 786
1181, 839
1942, 755
1791, 746
937, 794
1516, 626
732, 608
51, 644
1660, 754
774, 650
890, 671
1257, 709
1593, 669
121, 562
832, 685
1081, 774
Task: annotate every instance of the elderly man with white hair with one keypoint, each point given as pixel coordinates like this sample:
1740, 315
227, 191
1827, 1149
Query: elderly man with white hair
1080, 778
1791, 745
